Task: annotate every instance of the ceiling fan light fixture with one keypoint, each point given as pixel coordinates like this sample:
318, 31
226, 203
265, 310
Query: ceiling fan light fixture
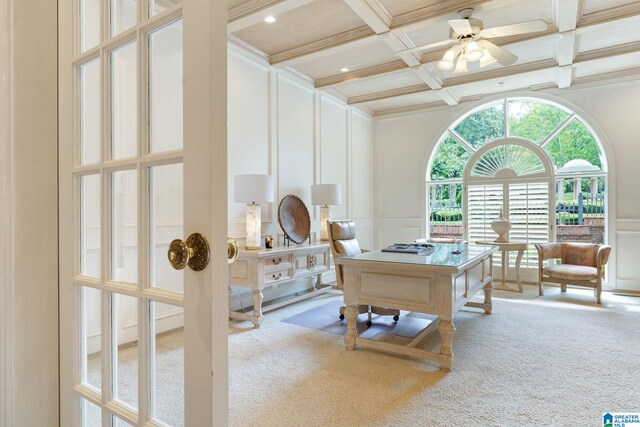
461, 65
447, 60
487, 58
473, 52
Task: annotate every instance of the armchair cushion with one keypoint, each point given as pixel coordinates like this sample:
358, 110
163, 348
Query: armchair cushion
579, 254
570, 272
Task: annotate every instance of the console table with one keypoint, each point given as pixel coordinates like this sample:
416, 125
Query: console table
261, 268
505, 248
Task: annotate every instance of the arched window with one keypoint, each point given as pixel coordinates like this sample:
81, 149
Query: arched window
535, 159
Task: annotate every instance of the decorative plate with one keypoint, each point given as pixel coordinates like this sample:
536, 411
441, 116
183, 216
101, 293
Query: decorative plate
294, 218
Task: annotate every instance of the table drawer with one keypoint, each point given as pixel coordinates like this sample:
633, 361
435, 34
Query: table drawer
277, 263
277, 276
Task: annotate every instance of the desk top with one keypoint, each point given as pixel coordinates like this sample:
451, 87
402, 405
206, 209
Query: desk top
441, 256
512, 245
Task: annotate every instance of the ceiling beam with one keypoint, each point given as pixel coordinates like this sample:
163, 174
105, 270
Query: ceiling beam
566, 48
565, 15
348, 40
564, 77
608, 15
325, 47
253, 12
379, 20
626, 75
373, 13
352, 76
549, 64
428, 61
419, 18
393, 93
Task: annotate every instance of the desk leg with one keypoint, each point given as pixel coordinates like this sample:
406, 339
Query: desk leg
488, 288
446, 330
518, 261
352, 318
256, 317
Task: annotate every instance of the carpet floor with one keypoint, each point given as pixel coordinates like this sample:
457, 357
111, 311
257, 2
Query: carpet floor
553, 360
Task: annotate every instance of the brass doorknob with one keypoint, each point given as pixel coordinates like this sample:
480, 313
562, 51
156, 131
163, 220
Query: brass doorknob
232, 250
193, 252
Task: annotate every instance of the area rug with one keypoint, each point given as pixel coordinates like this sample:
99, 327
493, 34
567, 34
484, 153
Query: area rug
325, 318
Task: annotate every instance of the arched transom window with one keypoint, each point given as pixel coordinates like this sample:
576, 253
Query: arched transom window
535, 159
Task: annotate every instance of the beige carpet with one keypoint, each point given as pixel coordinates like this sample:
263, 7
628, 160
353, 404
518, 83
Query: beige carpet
553, 360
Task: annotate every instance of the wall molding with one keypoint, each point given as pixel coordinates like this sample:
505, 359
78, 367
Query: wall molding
284, 86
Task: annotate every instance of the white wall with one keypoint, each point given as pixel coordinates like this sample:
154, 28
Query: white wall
405, 142
280, 125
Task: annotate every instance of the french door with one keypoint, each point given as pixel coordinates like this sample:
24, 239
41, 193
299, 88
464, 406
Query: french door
142, 162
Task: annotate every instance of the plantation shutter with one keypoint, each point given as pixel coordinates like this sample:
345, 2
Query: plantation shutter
483, 206
513, 175
529, 215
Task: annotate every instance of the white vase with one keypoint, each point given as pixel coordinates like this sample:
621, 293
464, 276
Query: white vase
501, 226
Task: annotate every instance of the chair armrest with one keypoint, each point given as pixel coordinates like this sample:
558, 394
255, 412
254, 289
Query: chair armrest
602, 256
549, 250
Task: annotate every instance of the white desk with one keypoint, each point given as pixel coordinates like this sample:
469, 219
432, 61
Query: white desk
505, 248
440, 283
261, 268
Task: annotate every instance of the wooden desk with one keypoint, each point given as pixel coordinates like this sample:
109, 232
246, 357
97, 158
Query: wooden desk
505, 248
440, 283
261, 268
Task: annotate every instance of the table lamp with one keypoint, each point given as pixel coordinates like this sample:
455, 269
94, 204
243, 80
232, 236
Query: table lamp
252, 190
325, 195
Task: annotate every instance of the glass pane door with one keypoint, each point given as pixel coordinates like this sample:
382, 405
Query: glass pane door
127, 193
142, 162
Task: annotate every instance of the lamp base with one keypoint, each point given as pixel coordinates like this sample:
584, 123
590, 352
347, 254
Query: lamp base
254, 227
325, 215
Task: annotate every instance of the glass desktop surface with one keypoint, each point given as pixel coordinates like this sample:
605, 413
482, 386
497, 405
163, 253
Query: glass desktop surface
440, 256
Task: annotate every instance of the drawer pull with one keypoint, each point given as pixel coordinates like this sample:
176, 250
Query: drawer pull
278, 277
276, 261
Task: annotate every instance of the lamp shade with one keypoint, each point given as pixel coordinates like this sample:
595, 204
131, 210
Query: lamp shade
326, 194
253, 188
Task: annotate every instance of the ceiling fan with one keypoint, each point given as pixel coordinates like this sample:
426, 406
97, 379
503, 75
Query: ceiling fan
469, 38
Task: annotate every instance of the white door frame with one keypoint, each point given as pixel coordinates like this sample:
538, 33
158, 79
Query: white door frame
6, 220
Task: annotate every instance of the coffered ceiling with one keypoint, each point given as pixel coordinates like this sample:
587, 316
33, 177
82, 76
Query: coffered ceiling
585, 40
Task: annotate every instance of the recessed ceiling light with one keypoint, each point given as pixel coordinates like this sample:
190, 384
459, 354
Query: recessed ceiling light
270, 19
344, 69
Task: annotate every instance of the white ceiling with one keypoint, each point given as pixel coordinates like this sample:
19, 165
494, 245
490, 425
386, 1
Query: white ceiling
585, 39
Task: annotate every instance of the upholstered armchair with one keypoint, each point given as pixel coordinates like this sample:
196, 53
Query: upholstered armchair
581, 264
342, 237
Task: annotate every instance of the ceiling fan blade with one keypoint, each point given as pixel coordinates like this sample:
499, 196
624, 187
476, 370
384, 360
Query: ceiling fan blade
426, 46
535, 26
502, 56
460, 26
